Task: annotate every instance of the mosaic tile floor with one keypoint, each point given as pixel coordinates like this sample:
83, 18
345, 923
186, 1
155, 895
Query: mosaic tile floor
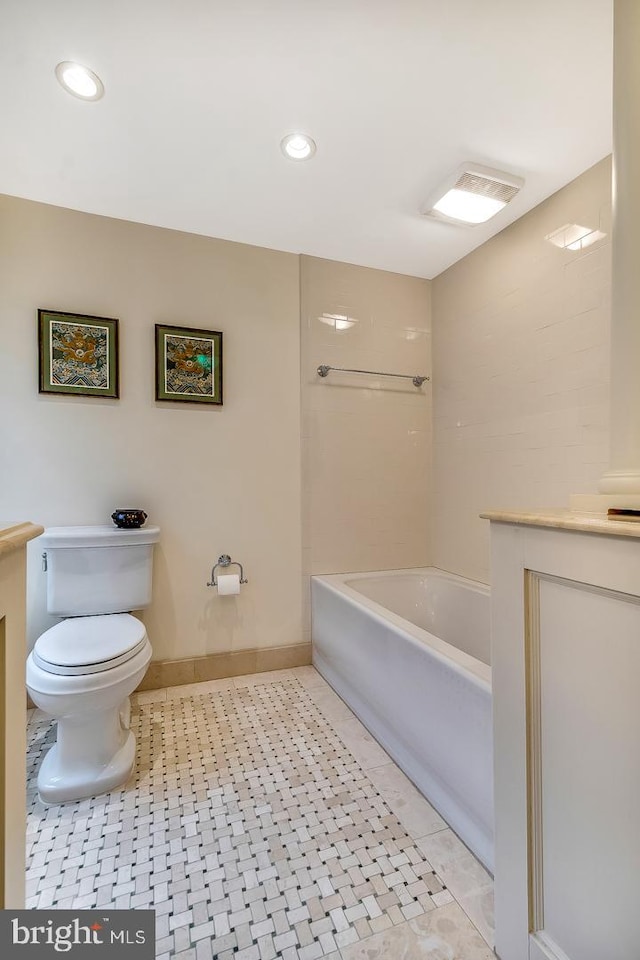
262, 822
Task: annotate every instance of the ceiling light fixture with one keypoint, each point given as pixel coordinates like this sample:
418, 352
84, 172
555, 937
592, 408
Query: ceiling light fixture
79, 81
298, 146
472, 195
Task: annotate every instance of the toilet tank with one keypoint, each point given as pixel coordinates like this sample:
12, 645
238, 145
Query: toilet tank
94, 570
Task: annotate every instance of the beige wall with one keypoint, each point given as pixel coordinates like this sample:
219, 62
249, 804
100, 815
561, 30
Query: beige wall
520, 345
520, 406
366, 440
216, 480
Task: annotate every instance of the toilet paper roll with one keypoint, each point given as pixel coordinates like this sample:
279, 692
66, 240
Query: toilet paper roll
228, 584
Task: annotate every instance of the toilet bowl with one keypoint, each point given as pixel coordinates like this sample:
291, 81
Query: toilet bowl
94, 750
82, 671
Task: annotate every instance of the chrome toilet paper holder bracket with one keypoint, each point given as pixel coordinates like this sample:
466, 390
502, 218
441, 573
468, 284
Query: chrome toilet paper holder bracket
225, 561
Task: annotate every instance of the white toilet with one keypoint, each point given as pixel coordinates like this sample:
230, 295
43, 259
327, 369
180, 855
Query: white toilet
82, 670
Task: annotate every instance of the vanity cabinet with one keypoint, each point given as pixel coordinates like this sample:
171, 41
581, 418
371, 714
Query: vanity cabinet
566, 702
13, 701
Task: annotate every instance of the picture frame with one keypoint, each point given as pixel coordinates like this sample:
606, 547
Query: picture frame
78, 354
188, 365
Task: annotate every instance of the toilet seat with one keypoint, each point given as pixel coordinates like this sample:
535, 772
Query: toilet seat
80, 646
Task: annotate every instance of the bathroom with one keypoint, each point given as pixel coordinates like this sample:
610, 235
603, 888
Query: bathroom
296, 475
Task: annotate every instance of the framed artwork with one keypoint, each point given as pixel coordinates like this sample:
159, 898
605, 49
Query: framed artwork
188, 364
78, 354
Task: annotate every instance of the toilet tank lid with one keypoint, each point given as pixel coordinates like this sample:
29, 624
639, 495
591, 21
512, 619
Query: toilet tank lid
98, 536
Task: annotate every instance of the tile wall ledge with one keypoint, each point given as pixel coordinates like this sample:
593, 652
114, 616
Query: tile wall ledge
14, 535
566, 520
216, 666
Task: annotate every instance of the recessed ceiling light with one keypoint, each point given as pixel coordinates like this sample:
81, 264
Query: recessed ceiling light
79, 80
472, 195
298, 146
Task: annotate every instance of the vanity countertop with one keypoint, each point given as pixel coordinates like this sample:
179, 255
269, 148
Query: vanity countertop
565, 520
15, 533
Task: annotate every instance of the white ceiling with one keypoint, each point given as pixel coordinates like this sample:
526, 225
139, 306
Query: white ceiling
396, 93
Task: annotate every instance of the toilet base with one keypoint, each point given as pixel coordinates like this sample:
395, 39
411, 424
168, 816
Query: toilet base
60, 783
95, 749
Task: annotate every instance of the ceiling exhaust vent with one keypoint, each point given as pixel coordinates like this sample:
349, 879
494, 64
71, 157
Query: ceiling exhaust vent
472, 195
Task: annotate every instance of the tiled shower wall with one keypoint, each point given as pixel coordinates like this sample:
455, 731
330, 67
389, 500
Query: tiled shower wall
365, 439
521, 357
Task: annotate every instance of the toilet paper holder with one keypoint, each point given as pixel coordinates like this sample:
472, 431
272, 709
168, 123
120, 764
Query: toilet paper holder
225, 561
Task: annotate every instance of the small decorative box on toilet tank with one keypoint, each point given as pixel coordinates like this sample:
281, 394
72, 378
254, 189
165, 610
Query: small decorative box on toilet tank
128, 517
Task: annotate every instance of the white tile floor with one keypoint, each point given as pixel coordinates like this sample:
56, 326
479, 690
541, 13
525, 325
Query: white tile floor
263, 821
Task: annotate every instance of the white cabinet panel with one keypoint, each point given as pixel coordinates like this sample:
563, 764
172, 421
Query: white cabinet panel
589, 721
565, 610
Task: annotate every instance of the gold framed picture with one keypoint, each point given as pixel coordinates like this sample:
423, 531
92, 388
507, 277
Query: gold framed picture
78, 354
188, 364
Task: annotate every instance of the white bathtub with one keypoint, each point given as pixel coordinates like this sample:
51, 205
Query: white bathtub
408, 650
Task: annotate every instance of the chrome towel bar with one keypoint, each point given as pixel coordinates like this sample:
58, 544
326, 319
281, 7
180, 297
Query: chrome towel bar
324, 370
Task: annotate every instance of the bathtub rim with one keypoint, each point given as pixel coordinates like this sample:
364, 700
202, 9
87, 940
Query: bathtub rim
477, 671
